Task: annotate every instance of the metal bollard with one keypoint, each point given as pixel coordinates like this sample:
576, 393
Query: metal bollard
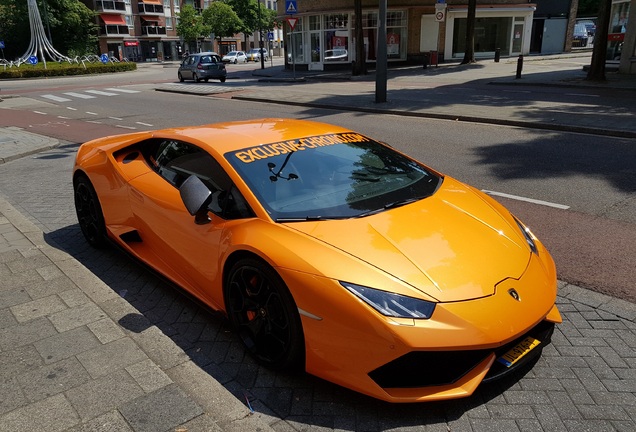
519, 65
497, 55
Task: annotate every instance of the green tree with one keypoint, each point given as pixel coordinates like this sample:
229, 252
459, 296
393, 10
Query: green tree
71, 23
190, 25
221, 20
247, 11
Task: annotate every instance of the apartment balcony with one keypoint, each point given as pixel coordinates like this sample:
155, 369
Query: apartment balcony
150, 7
113, 25
114, 30
110, 6
153, 31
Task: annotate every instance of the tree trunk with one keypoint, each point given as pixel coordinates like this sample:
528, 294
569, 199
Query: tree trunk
599, 53
469, 51
360, 64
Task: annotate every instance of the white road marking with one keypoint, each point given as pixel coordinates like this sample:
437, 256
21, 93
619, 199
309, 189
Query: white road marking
39, 112
79, 95
122, 90
530, 200
125, 127
55, 98
93, 121
581, 94
115, 118
71, 108
91, 113
144, 124
101, 93
62, 117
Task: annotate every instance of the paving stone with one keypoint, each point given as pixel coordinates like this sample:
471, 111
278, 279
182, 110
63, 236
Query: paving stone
77, 316
11, 396
53, 379
160, 349
25, 333
108, 358
163, 409
148, 375
38, 308
104, 394
41, 288
66, 344
49, 415
74, 297
110, 422
13, 297
589, 425
106, 330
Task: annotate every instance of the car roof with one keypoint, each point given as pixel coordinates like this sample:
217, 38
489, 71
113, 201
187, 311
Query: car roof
224, 137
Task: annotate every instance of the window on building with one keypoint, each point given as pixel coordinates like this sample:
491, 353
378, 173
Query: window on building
336, 38
396, 32
490, 34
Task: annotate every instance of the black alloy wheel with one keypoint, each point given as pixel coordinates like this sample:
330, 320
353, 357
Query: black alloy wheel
89, 212
262, 310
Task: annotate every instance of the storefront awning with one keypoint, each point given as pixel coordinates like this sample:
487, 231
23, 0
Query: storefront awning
157, 2
113, 19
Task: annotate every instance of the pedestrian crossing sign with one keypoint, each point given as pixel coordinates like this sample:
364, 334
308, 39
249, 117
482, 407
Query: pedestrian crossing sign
290, 7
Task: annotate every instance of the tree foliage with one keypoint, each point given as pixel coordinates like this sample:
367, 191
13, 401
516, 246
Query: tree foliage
221, 20
190, 25
71, 23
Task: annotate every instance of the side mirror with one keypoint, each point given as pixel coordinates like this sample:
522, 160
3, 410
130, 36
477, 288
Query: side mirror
197, 197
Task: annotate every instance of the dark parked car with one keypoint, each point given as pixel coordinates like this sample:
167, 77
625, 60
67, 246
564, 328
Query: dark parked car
580, 37
202, 67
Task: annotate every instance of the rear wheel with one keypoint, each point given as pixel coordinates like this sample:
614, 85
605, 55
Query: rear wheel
206, 80
196, 78
261, 308
222, 79
89, 212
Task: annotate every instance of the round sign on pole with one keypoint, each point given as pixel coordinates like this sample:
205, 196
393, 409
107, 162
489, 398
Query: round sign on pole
104, 58
32, 60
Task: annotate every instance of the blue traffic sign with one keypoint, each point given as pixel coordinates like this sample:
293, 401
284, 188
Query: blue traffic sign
32, 60
290, 7
104, 58
270, 35
1, 44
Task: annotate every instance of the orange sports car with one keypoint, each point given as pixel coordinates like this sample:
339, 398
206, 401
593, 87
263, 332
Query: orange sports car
328, 251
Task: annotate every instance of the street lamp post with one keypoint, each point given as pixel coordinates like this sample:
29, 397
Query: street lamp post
260, 36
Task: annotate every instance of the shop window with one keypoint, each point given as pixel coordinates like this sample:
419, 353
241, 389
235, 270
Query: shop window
396, 31
336, 34
490, 34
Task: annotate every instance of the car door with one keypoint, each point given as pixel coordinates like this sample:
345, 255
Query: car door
184, 251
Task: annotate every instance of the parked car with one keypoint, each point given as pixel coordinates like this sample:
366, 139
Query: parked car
328, 251
202, 67
255, 54
235, 57
580, 36
336, 55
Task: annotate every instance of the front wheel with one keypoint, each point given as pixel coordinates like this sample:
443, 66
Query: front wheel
180, 77
89, 212
262, 310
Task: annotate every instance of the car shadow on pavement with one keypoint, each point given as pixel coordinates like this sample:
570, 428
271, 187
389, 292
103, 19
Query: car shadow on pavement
207, 339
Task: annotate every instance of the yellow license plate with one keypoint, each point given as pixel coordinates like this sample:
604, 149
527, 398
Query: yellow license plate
518, 351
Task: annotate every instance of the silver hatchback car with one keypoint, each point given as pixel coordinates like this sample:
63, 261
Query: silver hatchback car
202, 67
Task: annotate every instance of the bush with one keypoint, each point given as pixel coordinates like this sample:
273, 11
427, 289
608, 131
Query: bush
54, 69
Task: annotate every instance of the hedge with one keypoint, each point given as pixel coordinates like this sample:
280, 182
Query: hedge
62, 69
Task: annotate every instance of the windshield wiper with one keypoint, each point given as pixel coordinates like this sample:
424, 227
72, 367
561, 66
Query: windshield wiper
388, 206
304, 219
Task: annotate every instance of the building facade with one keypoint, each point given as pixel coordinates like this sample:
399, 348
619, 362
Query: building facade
324, 30
145, 30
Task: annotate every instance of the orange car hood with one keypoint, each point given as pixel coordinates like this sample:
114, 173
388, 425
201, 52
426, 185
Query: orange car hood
452, 246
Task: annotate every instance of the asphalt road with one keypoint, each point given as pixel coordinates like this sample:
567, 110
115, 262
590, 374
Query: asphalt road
592, 240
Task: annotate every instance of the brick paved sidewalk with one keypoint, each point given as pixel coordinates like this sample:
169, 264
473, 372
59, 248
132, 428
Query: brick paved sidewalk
68, 363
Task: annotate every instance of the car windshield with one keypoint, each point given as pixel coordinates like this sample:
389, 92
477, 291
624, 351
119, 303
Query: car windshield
331, 177
231, 53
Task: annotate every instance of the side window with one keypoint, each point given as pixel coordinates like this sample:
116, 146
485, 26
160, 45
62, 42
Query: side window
175, 161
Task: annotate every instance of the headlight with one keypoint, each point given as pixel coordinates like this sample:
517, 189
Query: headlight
528, 235
390, 304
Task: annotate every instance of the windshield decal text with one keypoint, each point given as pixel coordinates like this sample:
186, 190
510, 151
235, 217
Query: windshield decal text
283, 147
